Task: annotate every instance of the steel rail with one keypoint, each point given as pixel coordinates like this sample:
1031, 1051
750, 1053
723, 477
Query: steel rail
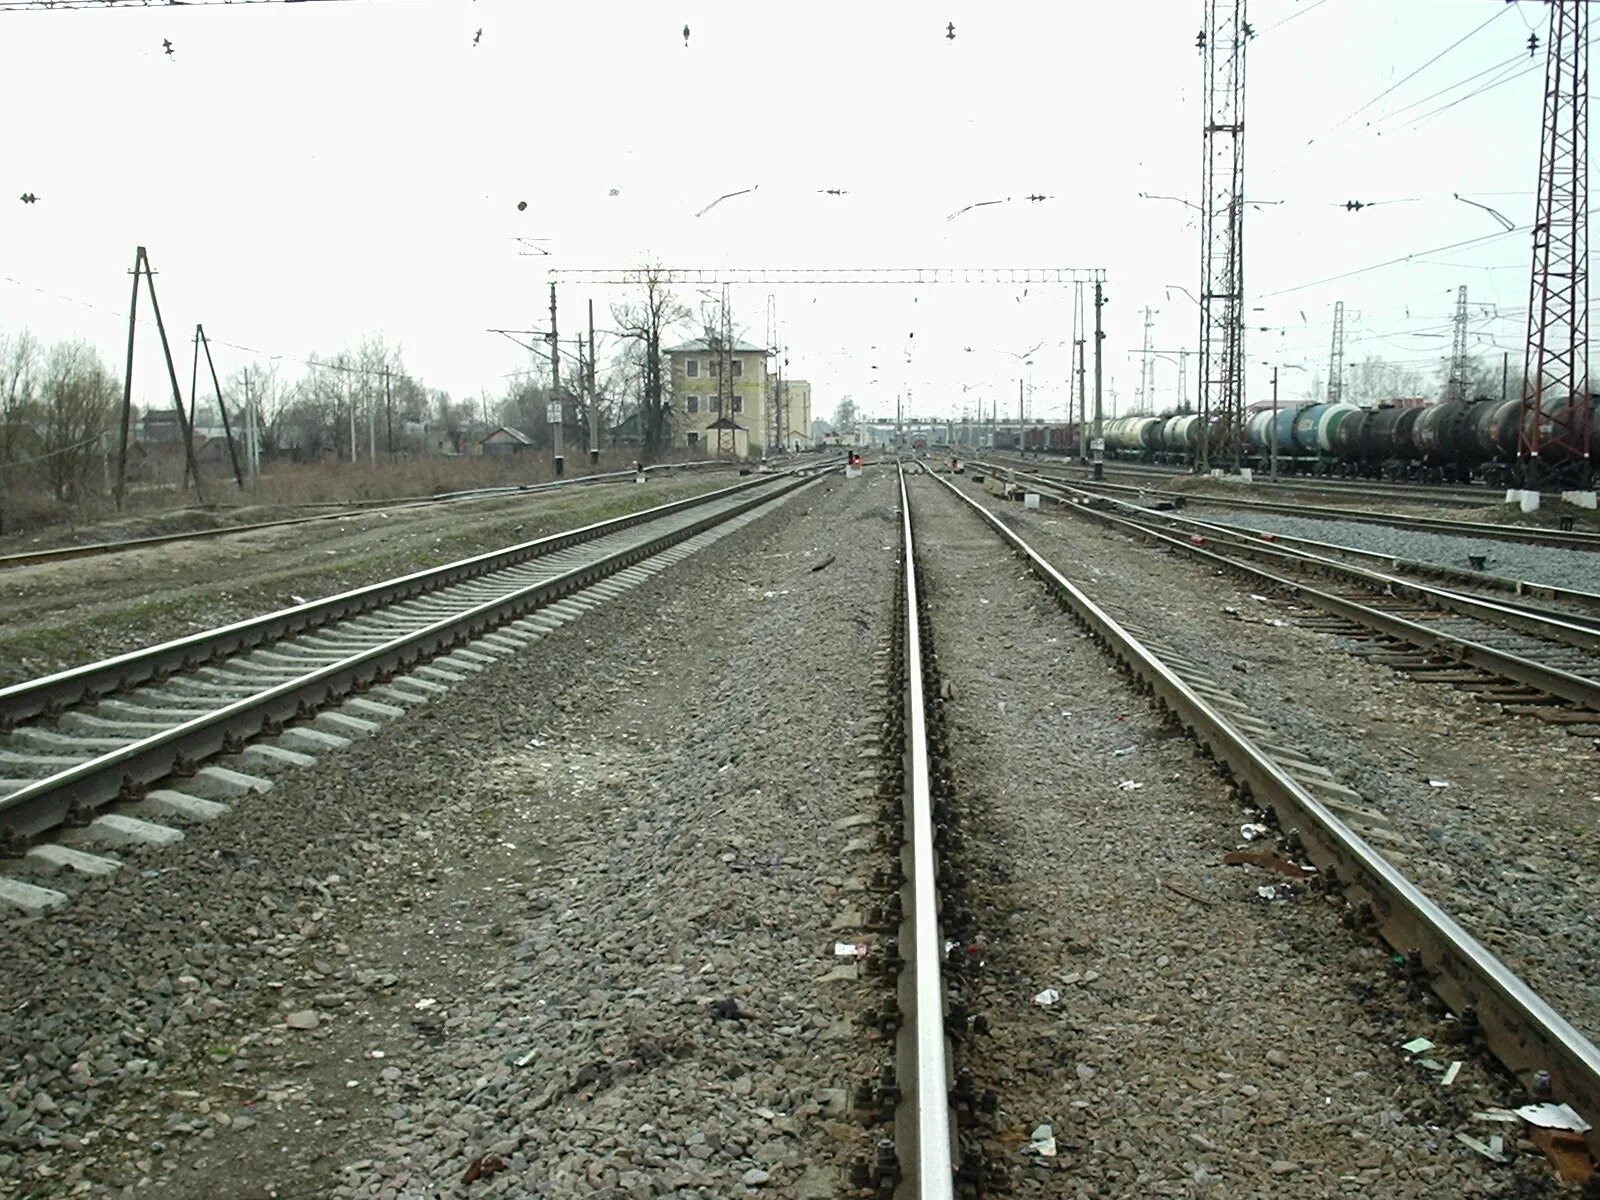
1471, 578
1553, 681
1330, 485
1478, 579
1559, 627
1574, 539
122, 772
92, 680
1523, 1031
928, 1170
28, 558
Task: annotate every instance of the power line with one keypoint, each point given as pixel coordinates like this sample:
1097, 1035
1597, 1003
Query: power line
1294, 16
1408, 78
1488, 237
44, 5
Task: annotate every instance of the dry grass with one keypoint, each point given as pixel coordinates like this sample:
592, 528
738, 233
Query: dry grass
27, 509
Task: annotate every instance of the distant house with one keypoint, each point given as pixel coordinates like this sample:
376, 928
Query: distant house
504, 440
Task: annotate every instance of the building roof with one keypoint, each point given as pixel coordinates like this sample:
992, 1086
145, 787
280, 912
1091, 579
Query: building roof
701, 346
516, 434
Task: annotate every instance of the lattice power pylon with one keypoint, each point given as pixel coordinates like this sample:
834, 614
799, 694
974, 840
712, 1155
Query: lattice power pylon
1336, 356
1222, 48
1458, 350
1553, 442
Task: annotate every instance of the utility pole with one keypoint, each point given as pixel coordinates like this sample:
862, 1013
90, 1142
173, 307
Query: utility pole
252, 455
1145, 404
594, 404
1555, 388
1457, 388
1272, 430
1077, 352
372, 428
172, 375
1098, 444
222, 405
388, 416
1336, 354
556, 414
127, 382
1222, 49
194, 375
350, 412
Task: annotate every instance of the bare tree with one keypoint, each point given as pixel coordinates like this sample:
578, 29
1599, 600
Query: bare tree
79, 398
19, 365
644, 321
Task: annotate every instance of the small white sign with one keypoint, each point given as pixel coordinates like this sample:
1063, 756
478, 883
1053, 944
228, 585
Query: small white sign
553, 412
1097, 443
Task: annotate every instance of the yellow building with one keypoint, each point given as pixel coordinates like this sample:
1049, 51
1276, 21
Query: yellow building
698, 421
790, 426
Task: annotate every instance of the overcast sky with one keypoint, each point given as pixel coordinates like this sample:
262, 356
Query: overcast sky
306, 175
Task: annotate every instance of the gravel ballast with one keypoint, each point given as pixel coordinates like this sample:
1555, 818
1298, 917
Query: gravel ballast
1494, 816
1203, 1039
568, 929
1578, 569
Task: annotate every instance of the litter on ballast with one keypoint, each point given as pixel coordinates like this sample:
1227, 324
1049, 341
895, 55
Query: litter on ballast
1266, 892
1415, 1046
1122, 753
849, 950
1252, 831
1230, 610
1042, 1141
1553, 1116
426, 1002
1266, 860
1129, 785
1047, 997
1450, 1073
1503, 1115
1487, 1149
1259, 599
1439, 783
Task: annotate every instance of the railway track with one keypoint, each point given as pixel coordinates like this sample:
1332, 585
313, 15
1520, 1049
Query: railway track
1316, 824
921, 1158
1571, 539
74, 742
1511, 651
1413, 493
28, 558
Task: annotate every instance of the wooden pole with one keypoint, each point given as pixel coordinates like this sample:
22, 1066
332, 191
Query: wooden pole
227, 429
172, 374
127, 382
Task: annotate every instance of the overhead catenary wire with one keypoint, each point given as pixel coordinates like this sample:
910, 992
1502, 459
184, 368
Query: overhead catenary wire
1393, 87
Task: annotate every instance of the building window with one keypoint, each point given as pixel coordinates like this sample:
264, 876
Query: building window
738, 404
691, 368
692, 404
738, 369
691, 438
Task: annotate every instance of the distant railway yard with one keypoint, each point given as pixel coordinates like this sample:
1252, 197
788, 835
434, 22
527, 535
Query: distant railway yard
809, 833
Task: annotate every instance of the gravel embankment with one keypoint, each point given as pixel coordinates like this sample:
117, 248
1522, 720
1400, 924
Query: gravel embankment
1510, 847
573, 921
59, 615
1206, 1041
1578, 569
